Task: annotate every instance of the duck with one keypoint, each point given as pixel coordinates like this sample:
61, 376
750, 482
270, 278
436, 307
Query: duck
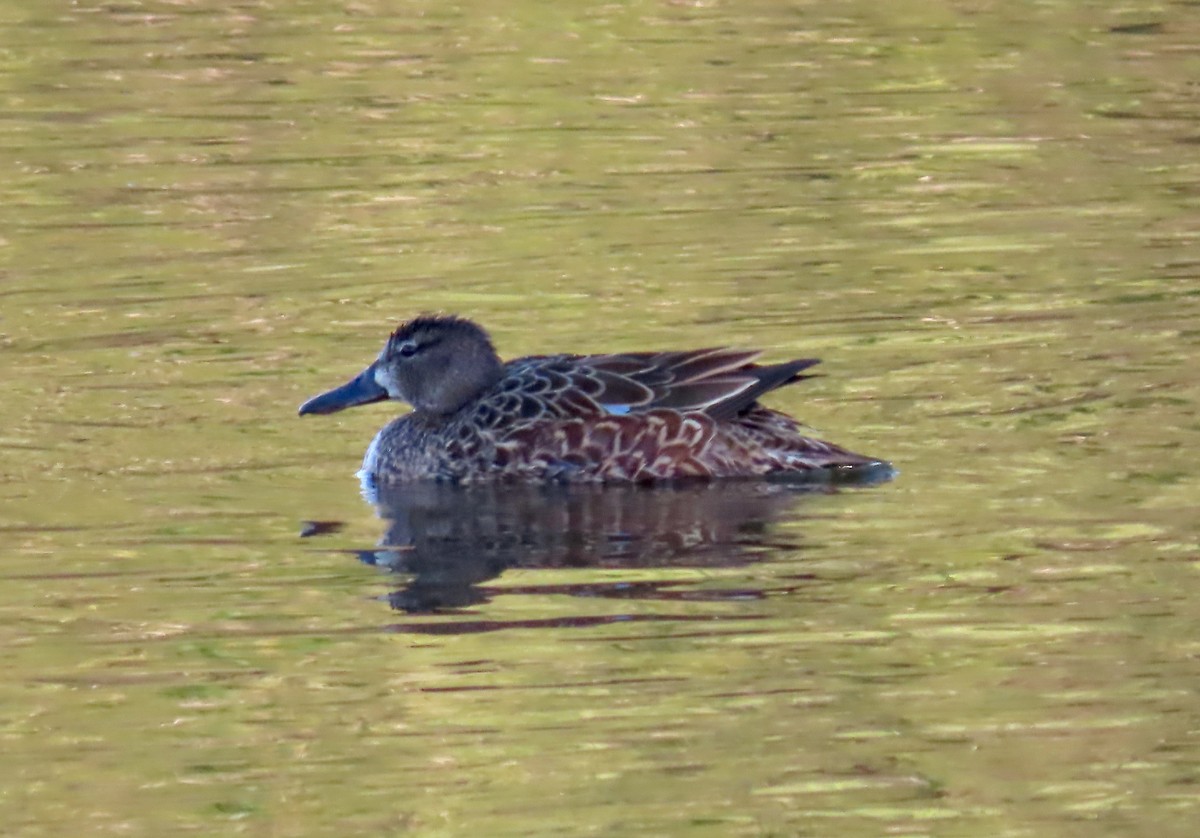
625, 417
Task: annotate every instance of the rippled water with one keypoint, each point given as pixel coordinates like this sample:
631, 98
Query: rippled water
981, 216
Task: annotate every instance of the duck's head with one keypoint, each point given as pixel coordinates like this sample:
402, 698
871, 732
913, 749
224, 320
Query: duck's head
436, 363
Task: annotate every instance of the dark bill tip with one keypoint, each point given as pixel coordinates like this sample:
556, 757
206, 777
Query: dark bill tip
359, 390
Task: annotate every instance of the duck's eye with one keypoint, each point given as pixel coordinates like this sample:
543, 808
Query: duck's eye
406, 349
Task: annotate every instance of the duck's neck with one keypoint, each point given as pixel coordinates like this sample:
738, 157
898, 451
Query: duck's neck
468, 379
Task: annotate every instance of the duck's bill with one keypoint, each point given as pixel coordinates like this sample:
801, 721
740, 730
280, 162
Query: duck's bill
359, 390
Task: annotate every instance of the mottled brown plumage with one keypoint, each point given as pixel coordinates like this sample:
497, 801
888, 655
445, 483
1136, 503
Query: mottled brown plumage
633, 417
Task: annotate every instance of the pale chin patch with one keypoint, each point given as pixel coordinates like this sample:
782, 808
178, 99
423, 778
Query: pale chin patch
382, 380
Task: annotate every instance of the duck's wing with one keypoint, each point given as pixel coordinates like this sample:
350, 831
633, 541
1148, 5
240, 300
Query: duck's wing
720, 382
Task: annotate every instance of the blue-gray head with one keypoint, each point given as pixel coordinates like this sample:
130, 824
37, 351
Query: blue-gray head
436, 363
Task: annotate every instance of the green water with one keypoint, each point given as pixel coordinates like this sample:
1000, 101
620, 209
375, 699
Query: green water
982, 217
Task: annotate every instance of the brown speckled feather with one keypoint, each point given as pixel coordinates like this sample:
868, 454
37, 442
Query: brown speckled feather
667, 445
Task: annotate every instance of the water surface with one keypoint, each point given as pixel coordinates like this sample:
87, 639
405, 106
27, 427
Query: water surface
980, 216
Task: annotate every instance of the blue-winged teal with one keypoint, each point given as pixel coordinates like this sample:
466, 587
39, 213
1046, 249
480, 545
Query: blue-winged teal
628, 417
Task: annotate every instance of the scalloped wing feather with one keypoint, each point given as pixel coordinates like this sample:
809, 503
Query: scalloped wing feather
718, 381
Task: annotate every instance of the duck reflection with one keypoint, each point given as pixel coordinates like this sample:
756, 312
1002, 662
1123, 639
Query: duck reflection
449, 539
